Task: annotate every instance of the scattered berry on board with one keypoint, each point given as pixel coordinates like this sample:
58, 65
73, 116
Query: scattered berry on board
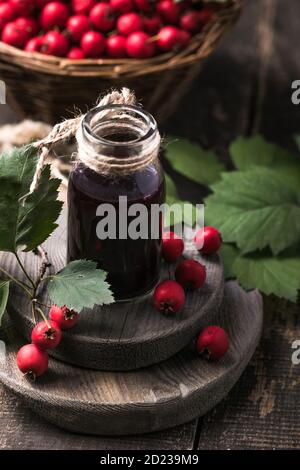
79, 29
190, 274
169, 297
213, 341
172, 246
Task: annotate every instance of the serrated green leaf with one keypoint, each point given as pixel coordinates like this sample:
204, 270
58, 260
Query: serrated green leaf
197, 164
4, 291
25, 224
256, 151
255, 209
278, 275
80, 284
271, 275
38, 215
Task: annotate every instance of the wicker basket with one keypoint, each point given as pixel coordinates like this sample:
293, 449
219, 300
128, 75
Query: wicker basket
50, 88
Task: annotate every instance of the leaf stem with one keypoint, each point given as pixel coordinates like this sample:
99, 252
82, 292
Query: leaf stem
24, 270
43, 316
33, 312
20, 283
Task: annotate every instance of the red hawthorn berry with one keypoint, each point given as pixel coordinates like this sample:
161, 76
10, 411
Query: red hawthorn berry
63, 316
53, 15
152, 24
184, 38
46, 336
27, 25
168, 38
172, 246
82, 7
139, 45
77, 25
34, 44
208, 240
55, 43
93, 44
116, 46
169, 11
42, 3
205, 15
7, 13
190, 274
102, 17
169, 297
147, 6
32, 360
121, 6
190, 22
13, 35
24, 8
129, 23
75, 53
214, 341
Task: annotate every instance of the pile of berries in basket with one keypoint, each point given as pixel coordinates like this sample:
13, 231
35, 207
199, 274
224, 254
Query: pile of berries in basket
79, 29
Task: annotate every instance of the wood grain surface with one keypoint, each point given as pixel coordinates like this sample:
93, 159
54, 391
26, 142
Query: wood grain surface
149, 399
124, 335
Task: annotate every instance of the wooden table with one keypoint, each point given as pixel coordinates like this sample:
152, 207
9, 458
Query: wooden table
245, 88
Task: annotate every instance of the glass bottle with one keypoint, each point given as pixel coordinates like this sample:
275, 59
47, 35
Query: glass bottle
128, 137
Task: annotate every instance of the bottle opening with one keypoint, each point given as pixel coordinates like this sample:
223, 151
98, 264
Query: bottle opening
119, 125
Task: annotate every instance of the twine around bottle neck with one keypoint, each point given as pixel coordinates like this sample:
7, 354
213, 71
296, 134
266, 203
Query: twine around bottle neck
86, 153
115, 157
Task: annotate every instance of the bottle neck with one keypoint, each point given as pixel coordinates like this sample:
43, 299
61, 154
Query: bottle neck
118, 139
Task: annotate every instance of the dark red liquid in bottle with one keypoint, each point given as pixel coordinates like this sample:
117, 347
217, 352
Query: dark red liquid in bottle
133, 266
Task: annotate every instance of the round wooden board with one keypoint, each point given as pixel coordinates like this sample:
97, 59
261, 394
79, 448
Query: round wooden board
122, 336
163, 395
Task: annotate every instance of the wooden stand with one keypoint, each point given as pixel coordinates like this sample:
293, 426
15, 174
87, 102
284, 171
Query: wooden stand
149, 399
177, 385
122, 336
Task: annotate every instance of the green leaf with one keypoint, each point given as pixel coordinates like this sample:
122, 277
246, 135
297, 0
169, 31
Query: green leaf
271, 275
255, 209
278, 275
25, 224
37, 217
256, 151
80, 284
194, 162
4, 291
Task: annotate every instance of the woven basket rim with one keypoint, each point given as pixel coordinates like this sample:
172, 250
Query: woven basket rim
199, 47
